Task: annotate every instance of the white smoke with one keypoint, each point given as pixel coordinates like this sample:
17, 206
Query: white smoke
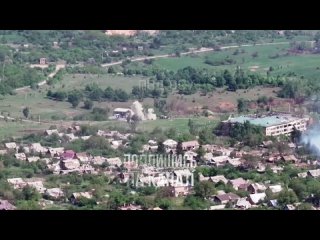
137, 108
311, 137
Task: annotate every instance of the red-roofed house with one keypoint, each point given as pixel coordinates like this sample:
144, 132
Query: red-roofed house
68, 154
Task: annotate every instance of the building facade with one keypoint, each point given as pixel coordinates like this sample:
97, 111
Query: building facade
274, 124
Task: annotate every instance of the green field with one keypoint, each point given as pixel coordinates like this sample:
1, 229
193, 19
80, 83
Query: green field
38, 104
180, 124
17, 129
77, 81
303, 64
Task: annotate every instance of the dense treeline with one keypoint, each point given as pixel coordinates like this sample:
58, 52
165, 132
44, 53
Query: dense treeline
15, 76
212, 38
299, 89
91, 92
189, 80
73, 46
247, 133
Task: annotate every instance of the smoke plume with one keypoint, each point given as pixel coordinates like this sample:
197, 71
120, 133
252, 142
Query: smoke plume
311, 138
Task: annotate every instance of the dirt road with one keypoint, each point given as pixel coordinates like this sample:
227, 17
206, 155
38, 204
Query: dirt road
51, 75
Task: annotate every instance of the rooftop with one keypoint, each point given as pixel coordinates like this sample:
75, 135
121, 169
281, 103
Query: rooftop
265, 121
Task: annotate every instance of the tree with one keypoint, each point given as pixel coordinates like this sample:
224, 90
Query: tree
255, 55
111, 70
26, 112
201, 152
305, 206
75, 102
88, 104
242, 105
295, 135
171, 133
287, 197
164, 203
192, 127
109, 93
97, 142
220, 81
204, 189
74, 97
206, 136
30, 194
195, 203
133, 122
165, 192
179, 149
161, 148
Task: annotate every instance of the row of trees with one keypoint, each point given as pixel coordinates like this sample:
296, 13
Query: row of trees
249, 134
91, 93
189, 80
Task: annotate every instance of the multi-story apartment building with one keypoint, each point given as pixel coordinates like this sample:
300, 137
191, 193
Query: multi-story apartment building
274, 125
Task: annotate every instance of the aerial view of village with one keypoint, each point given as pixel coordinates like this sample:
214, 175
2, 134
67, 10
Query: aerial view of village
159, 120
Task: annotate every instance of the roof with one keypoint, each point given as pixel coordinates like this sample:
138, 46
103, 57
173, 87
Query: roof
275, 188
54, 192
220, 159
242, 202
68, 154
237, 182
274, 202
266, 121
303, 174
114, 161
10, 145
314, 173
234, 162
15, 180
255, 198
190, 144
33, 159
50, 132
258, 186
82, 194
169, 142
56, 150
219, 178
182, 172
290, 207
267, 143
227, 197
35, 145
5, 205
217, 207
152, 142
123, 110
82, 154
290, 158
156, 208
20, 156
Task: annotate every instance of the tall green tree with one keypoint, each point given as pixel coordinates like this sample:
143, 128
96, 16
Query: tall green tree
26, 112
204, 189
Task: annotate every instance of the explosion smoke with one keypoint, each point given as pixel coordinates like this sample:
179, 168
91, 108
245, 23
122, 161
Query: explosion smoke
311, 137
